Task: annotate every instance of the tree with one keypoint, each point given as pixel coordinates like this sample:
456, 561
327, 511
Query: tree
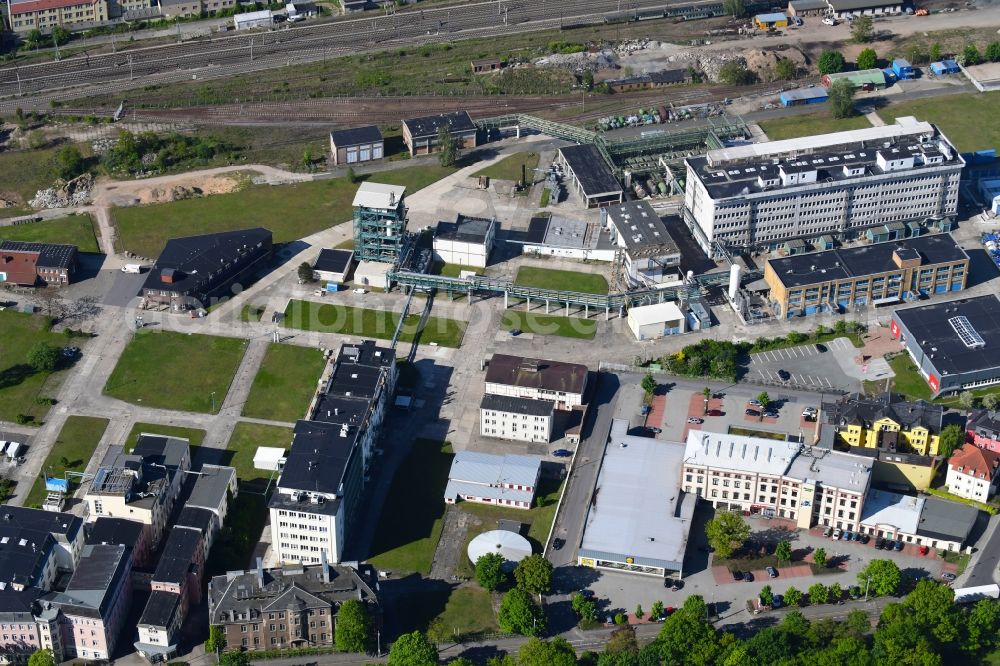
793, 597
966, 400
951, 438
584, 607
970, 56
766, 596
33, 38
648, 384
915, 54
727, 532
784, 551
936, 52
556, 652
819, 557
990, 401
884, 577
489, 571
735, 73
448, 146
765, 400
830, 62
534, 574
60, 35
687, 637
862, 29
841, 96
836, 592
305, 272
43, 357
69, 162
735, 8
622, 641
216, 634
350, 175
307, 158
412, 649
42, 658
785, 69
639, 612
707, 393
981, 627
867, 59
234, 659
352, 627
818, 593
657, 610
519, 614
587, 79
992, 52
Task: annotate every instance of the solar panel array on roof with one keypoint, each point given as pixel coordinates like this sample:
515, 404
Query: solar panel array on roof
966, 332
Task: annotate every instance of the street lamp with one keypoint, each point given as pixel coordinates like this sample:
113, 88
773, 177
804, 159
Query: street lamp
213, 402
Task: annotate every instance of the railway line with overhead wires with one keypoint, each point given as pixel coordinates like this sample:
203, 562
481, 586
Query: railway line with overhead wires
38, 85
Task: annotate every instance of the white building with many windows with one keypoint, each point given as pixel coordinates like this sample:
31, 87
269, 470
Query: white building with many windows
518, 419
761, 195
537, 379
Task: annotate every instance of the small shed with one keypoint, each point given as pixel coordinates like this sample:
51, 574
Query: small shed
649, 322
799, 96
303, 9
372, 274
487, 65
793, 246
333, 265
867, 79
248, 20
903, 69
824, 242
769, 21
270, 458
943, 67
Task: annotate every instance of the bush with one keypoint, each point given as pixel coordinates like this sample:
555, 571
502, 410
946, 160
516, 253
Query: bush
830, 62
734, 73
867, 59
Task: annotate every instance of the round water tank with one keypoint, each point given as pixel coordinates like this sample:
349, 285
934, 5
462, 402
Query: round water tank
511, 545
734, 281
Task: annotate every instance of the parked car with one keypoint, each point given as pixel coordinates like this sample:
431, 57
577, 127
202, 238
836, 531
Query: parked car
924, 550
898, 546
558, 543
676, 584
809, 412
857, 536
737, 575
695, 420
778, 601
947, 576
654, 430
752, 412
836, 534
715, 412
827, 531
755, 403
747, 577
829, 21
360, 291
644, 410
848, 535
879, 542
785, 375
771, 572
70, 352
562, 453
770, 414
865, 539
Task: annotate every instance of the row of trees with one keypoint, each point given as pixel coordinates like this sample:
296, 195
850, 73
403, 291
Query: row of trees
519, 612
972, 56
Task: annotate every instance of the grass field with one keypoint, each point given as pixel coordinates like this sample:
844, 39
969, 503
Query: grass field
289, 211
284, 383
251, 312
540, 324
176, 371
243, 444
969, 121
76, 230
20, 386
455, 270
814, 123
24, 173
548, 278
410, 525
344, 319
194, 435
509, 168
468, 612
908, 380
76, 443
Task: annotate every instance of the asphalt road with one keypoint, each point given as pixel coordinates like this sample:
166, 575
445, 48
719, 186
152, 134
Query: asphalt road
983, 569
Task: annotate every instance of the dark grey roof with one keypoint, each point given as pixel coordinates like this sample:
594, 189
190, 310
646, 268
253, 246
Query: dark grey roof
505, 403
197, 518
356, 135
211, 487
333, 261
179, 552
804, 5
367, 353
984, 423
50, 255
291, 587
318, 457
641, 228
23, 554
850, 5
63, 526
668, 76
941, 519
332, 408
537, 227
96, 577
465, 229
459, 122
856, 409
537, 373
929, 329
160, 609
842, 263
163, 450
195, 261
18, 605
590, 169
114, 531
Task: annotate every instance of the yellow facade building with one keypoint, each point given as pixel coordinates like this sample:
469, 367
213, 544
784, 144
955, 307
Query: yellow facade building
886, 422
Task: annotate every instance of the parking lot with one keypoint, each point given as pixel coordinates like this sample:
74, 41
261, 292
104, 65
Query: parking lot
830, 366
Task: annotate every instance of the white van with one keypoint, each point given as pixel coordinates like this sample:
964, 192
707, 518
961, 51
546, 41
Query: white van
132, 268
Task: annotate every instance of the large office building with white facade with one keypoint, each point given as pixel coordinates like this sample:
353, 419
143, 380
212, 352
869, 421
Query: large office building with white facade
761, 195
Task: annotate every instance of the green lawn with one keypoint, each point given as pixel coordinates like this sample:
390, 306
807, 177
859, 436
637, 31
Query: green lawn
193, 435
969, 121
793, 127
908, 380
20, 386
251, 312
467, 613
285, 383
540, 324
76, 442
547, 278
76, 230
327, 318
454, 270
237, 540
751, 432
24, 173
243, 444
176, 371
289, 211
509, 168
412, 517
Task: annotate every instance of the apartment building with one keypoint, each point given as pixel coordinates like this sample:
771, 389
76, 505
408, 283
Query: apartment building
982, 429
878, 274
761, 195
290, 607
486, 478
121, 532
973, 473
886, 421
776, 479
537, 379
44, 15
518, 419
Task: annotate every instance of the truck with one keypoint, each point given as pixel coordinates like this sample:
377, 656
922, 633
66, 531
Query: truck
132, 268
969, 595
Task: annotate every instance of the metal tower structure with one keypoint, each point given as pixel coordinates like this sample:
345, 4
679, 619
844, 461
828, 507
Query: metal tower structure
379, 222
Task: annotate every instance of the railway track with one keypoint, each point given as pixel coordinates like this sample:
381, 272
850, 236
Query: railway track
223, 56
